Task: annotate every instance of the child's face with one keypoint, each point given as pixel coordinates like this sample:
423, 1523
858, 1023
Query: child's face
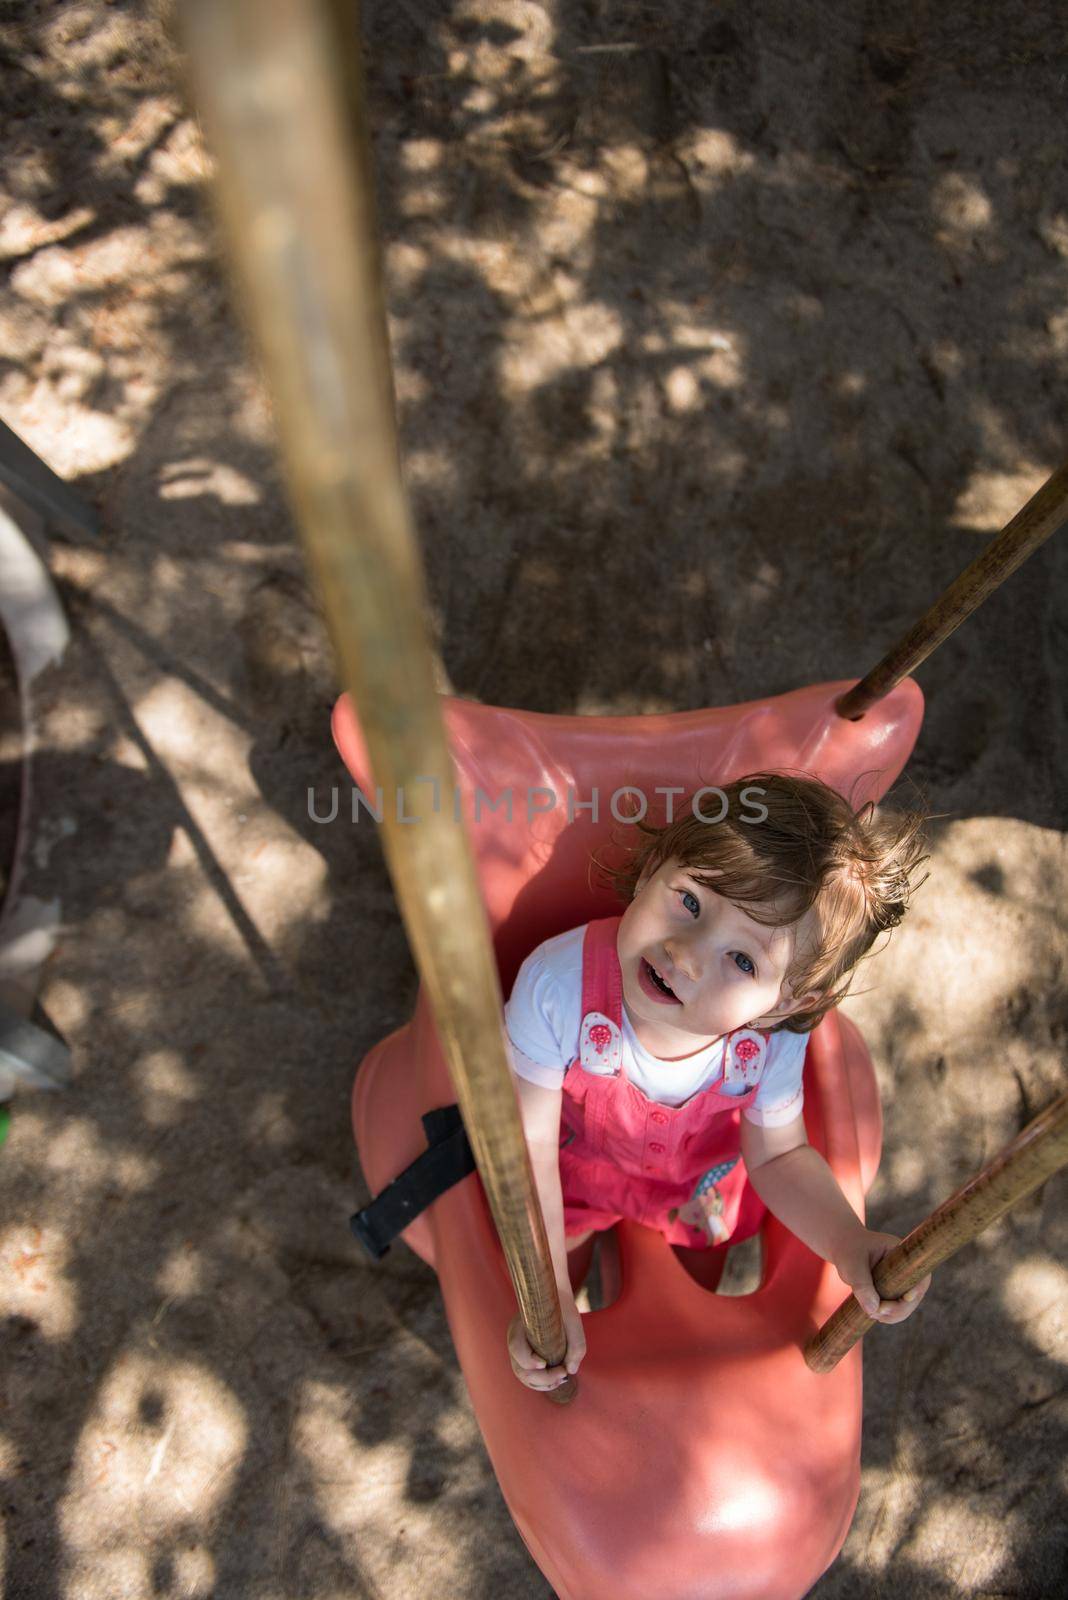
725, 969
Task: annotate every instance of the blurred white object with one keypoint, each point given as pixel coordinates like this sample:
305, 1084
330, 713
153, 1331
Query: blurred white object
37, 634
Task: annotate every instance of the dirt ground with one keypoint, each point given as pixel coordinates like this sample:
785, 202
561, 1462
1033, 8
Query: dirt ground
725, 335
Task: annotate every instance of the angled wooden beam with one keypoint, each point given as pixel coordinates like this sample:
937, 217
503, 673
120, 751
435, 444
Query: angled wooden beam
1032, 1157
279, 84
1044, 513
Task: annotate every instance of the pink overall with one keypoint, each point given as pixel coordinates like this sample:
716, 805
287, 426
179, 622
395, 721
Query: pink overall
676, 1169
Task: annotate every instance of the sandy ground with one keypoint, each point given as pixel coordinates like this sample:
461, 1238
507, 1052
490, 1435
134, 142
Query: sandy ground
718, 354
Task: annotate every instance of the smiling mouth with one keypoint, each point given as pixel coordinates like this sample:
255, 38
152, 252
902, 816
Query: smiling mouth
657, 980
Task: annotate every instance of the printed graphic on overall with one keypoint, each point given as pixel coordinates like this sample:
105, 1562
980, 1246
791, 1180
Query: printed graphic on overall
745, 1055
600, 1044
704, 1209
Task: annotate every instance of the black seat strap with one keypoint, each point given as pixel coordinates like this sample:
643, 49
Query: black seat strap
447, 1159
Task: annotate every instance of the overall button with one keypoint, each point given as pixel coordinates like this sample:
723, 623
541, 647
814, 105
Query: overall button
656, 1147
658, 1116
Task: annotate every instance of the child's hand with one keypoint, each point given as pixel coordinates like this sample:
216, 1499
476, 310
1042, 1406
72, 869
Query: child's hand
854, 1265
529, 1367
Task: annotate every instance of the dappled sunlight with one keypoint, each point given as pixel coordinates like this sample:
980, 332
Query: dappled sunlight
281, 880
624, 705
1000, 436
1052, 229
125, 753
52, 275
179, 725
717, 152
79, 1149
101, 347
418, 156
961, 206
241, 551
23, 229
890, 1495
322, 1434
131, 136
84, 38
991, 499
961, 1543
72, 1005
422, 201
851, 384
33, 1279
681, 390
207, 919
953, 913
99, 363
722, 367
993, 972
366, 1493
184, 1272
135, 1569
495, 261
270, 1124
153, 1463
187, 1406
187, 480
529, 33
538, 351
1036, 1298
181, 856
431, 469
407, 263
71, 437
684, 334
410, 387
905, 1171
627, 169
285, 881
764, 583
249, 408
165, 1086
178, 160
127, 1570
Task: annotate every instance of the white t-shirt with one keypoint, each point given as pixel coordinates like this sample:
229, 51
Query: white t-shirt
544, 1015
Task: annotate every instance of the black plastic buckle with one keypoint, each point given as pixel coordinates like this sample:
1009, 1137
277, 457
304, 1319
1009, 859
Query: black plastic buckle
447, 1158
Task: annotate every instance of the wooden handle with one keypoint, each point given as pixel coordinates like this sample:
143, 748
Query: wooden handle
1043, 514
1040, 1150
280, 87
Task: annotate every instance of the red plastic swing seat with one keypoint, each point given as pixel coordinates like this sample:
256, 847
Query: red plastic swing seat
701, 1459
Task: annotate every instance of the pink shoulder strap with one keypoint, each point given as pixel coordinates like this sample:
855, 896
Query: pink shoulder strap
602, 981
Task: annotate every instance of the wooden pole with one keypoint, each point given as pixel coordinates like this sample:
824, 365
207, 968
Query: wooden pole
1043, 514
279, 84
1033, 1156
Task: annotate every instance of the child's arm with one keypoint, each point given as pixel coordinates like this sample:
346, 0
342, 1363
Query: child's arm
540, 1110
798, 1187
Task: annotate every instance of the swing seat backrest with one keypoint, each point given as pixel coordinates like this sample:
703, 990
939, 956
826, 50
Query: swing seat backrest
701, 1460
534, 866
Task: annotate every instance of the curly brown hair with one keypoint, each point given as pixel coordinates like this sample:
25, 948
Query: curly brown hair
810, 851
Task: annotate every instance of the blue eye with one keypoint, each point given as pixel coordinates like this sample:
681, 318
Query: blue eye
686, 895
748, 969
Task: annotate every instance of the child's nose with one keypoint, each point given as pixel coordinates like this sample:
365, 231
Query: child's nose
683, 960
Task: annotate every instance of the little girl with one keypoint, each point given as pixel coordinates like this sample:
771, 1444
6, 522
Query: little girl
670, 1041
